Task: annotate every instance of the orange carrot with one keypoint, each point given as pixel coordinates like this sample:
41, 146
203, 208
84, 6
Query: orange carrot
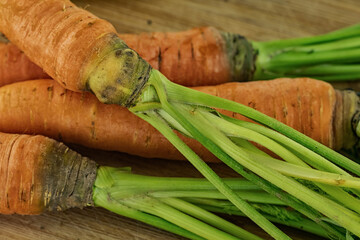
191, 58
16, 66
79, 50
310, 106
55, 178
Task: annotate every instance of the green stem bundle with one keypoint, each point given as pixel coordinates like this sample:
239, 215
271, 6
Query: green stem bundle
183, 206
330, 57
164, 104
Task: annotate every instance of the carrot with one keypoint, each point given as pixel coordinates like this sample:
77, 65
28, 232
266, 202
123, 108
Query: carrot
40, 174
190, 58
313, 107
16, 66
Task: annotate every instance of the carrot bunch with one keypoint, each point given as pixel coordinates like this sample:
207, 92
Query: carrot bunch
83, 53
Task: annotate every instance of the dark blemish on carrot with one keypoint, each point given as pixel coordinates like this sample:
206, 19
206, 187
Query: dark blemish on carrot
252, 104
34, 90
60, 137
118, 53
7, 200
92, 123
129, 53
147, 140
50, 88
23, 196
90, 24
159, 59
192, 50
285, 112
149, 22
109, 90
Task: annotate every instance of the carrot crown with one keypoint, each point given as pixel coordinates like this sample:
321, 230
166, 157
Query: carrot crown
114, 72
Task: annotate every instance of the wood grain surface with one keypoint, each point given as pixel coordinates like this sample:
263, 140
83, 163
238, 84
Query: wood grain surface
255, 19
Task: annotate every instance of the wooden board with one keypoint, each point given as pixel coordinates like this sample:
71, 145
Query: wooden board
256, 19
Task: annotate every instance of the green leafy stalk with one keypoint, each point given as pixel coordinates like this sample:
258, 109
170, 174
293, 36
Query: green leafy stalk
295, 222
210, 218
329, 208
170, 214
188, 111
211, 176
330, 57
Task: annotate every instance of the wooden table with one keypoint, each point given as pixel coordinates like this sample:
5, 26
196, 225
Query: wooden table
256, 19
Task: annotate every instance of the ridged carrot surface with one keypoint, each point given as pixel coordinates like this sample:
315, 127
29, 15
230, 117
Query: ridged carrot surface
195, 57
44, 107
191, 58
16, 66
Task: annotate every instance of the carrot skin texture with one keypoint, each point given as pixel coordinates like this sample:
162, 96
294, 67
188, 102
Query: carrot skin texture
50, 33
304, 104
16, 66
39, 174
196, 57
48, 109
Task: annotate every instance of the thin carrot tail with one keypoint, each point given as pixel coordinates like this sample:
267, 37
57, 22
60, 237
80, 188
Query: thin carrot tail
40, 174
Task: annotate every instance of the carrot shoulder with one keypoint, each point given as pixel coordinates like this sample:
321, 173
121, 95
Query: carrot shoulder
46, 108
39, 174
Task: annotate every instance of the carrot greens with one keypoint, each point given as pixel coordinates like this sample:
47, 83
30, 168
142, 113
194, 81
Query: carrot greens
330, 57
329, 191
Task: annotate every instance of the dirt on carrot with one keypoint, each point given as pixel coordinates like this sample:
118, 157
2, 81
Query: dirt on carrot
56, 178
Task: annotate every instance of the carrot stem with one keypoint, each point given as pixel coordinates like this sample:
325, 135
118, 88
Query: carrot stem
211, 176
323, 57
341, 215
209, 218
347, 32
183, 94
112, 190
259, 197
301, 223
175, 101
